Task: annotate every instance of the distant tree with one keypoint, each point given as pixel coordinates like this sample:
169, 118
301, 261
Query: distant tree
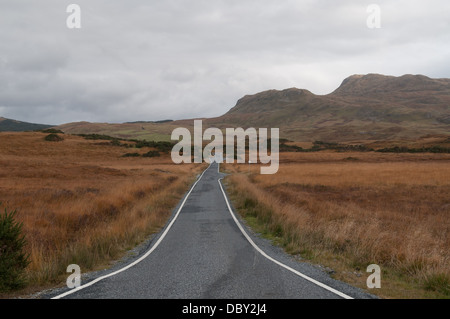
13, 259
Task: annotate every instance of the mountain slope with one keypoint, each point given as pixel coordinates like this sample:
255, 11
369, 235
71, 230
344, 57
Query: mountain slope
364, 107
8, 125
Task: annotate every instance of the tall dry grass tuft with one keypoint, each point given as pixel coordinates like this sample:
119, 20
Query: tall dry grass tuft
88, 230
391, 213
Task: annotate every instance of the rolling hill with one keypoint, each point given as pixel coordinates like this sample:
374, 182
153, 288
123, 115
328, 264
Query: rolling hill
8, 125
363, 108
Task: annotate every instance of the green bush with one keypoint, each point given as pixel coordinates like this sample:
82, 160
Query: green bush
398, 149
131, 155
13, 259
54, 138
52, 130
151, 154
97, 137
161, 146
115, 142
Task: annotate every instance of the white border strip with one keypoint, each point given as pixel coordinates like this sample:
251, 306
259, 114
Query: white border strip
144, 256
276, 261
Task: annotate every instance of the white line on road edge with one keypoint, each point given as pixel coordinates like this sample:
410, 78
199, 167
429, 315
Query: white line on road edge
274, 260
145, 255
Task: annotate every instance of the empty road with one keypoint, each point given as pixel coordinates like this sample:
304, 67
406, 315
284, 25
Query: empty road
204, 253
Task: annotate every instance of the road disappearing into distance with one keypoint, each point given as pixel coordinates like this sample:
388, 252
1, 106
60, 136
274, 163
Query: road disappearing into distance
205, 252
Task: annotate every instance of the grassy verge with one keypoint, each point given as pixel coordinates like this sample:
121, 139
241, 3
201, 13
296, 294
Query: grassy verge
324, 230
106, 229
82, 203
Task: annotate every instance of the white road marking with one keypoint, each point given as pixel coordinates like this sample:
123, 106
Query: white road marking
274, 260
170, 225
141, 258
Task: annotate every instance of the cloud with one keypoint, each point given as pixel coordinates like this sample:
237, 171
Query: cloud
151, 60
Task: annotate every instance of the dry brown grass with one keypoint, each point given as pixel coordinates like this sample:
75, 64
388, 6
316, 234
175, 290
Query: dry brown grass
81, 203
359, 208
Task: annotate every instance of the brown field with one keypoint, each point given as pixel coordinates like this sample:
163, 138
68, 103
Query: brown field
81, 202
349, 210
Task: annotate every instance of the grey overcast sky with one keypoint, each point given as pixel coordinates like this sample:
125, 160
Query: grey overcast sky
175, 59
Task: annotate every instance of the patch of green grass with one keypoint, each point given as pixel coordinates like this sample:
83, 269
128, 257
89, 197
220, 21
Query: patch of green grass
259, 227
162, 146
258, 218
438, 283
143, 135
97, 137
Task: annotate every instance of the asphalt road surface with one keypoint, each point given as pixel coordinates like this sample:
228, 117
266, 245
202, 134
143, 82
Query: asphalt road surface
205, 252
